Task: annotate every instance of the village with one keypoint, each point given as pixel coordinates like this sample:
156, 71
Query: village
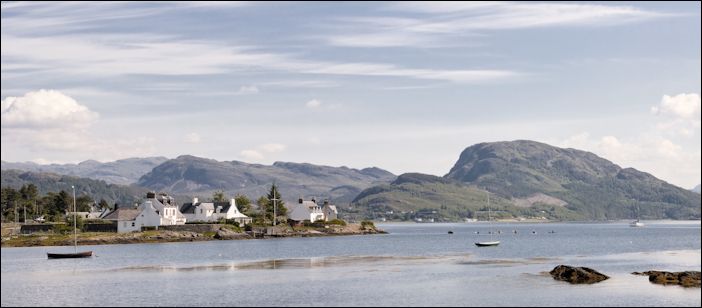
160, 218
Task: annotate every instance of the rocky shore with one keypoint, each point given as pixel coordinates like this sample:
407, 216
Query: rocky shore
685, 279
220, 232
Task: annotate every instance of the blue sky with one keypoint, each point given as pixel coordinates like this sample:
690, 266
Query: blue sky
401, 86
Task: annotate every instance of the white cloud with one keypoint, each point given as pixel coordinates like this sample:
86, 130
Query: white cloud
682, 105
257, 154
272, 147
115, 55
251, 155
448, 23
680, 114
313, 104
462, 16
192, 138
650, 153
48, 121
45, 108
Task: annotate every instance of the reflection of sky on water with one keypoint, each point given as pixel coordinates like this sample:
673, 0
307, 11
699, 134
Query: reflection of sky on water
417, 265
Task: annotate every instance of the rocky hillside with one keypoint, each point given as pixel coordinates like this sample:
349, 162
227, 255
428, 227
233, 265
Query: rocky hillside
200, 176
124, 171
557, 183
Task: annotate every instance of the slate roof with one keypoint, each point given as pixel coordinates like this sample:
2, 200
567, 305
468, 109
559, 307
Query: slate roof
123, 214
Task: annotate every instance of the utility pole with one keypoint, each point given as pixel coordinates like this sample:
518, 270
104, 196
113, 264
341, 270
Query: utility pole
275, 207
75, 230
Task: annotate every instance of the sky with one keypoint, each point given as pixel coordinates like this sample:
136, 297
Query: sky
401, 86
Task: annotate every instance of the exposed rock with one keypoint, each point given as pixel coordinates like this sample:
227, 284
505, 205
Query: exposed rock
685, 279
227, 234
574, 274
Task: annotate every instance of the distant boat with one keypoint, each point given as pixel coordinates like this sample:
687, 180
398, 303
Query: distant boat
491, 242
485, 244
450, 232
636, 223
83, 254
75, 254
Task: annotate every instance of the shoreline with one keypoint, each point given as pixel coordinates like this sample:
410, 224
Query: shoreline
170, 236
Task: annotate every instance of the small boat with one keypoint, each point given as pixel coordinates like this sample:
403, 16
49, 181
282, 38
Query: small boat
450, 232
83, 254
75, 254
636, 223
491, 242
486, 244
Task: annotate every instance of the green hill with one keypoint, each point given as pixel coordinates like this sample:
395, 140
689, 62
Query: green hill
96, 189
536, 179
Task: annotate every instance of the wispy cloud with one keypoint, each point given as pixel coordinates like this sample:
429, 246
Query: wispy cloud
441, 23
110, 55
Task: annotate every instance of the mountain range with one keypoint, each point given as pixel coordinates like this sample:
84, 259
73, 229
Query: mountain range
190, 175
524, 179
124, 171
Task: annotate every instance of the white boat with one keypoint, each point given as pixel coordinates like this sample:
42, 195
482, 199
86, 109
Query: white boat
491, 242
636, 223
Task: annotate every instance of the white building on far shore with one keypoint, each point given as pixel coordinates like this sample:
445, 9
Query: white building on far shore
213, 211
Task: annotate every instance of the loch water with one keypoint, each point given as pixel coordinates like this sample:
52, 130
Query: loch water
414, 265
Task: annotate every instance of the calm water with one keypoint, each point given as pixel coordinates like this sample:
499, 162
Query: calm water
415, 265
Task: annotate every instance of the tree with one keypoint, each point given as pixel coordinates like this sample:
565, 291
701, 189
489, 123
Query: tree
259, 217
29, 198
62, 203
10, 197
103, 204
243, 203
218, 196
83, 203
279, 204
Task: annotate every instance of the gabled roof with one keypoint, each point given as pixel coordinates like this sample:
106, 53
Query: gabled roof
189, 208
123, 214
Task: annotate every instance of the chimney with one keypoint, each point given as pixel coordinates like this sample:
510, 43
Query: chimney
195, 200
116, 205
299, 200
232, 202
150, 195
326, 202
313, 200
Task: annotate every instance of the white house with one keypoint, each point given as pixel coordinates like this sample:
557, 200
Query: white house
305, 210
329, 211
130, 219
166, 208
213, 211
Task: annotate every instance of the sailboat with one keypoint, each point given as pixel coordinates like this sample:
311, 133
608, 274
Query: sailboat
491, 242
75, 254
636, 223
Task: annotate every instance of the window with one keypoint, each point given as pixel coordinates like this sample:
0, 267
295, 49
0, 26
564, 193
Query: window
132, 224
200, 211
